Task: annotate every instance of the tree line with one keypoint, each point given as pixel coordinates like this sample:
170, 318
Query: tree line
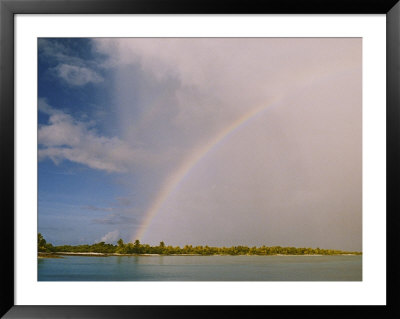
162, 249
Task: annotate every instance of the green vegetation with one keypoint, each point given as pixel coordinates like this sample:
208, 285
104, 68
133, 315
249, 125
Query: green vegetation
162, 249
43, 246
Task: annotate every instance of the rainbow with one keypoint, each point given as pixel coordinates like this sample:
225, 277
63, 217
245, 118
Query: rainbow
173, 181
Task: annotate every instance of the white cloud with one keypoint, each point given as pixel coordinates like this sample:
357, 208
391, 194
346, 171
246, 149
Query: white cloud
71, 69
120, 218
65, 138
111, 237
54, 50
77, 75
44, 107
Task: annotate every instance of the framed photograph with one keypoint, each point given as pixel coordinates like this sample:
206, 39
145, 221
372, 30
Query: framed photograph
171, 158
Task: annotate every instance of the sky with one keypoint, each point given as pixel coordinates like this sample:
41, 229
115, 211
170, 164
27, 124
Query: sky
201, 141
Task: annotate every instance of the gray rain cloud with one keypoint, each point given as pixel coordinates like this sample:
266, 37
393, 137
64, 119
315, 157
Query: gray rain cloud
291, 176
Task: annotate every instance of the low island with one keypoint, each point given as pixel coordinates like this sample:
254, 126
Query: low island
101, 249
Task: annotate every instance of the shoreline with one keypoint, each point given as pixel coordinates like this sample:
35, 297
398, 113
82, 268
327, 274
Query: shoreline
93, 254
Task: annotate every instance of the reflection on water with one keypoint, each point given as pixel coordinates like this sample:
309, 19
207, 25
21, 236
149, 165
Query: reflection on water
201, 268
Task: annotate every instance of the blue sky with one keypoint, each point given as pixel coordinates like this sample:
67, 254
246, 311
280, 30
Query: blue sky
200, 141
74, 198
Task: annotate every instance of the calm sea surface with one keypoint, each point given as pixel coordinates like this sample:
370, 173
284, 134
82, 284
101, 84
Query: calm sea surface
201, 268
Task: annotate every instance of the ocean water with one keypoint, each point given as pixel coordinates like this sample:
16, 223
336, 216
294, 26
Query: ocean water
201, 268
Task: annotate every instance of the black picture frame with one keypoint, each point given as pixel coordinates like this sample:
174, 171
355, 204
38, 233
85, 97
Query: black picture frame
8, 8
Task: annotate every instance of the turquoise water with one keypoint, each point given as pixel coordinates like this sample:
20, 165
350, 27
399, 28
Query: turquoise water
201, 268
